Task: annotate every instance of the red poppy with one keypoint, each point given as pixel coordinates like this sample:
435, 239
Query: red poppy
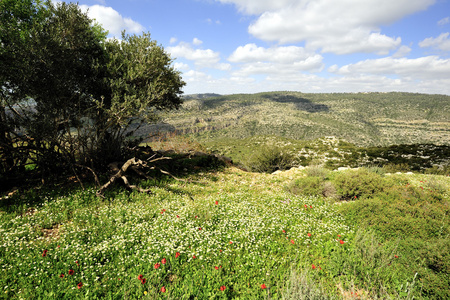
309, 234
196, 217
157, 265
177, 254
144, 280
77, 263
306, 206
284, 231
310, 206
341, 241
339, 235
396, 256
199, 228
44, 253
216, 267
263, 286
193, 256
70, 272
217, 202
80, 285
292, 241
62, 275
220, 250
58, 246
140, 277
222, 288
178, 216
163, 289
163, 261
313, 266
231, 242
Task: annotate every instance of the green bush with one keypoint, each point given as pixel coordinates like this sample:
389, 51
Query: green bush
269, 159
373, 267
307, 186
317, 171
359, 184
415, 220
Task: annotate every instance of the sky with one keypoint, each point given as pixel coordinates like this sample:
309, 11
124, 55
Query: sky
249, 46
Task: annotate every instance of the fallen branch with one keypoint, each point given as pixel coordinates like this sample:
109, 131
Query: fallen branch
121, 174
97, 182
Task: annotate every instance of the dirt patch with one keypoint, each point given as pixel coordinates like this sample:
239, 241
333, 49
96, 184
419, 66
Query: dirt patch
52, 233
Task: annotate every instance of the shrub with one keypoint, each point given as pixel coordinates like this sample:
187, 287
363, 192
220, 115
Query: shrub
317, 171
399, 167
372, 266
329, 190
269, 159
359, 184
307, 186
419, 216
301, 286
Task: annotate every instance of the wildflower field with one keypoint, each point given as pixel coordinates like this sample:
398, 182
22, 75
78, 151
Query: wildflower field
226, 234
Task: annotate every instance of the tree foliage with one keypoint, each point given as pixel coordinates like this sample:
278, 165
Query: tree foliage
69, 96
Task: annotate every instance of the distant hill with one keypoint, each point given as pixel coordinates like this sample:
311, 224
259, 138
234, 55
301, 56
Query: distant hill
364, 119
200, 96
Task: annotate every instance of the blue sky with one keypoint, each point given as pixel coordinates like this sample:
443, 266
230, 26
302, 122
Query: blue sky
248, 46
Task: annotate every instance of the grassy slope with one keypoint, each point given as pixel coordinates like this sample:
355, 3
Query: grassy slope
363, 118
108, 243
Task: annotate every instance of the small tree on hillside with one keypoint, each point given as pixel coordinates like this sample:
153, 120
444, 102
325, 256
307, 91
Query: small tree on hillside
77, 95
140, 81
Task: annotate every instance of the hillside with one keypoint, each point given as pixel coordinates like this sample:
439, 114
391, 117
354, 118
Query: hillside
364, 119
228, 234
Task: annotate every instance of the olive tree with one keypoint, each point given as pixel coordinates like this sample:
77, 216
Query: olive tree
18, 21
140, 81
69, 96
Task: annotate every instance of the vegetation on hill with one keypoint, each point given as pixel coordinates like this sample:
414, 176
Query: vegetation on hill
225, 233
364, 119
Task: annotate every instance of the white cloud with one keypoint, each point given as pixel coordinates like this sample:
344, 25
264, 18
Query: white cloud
423, 68
275, 61
442, 42
223, 67
181, 66
201, 57
259, 6
193, 76
253, 53
210, 21
444, 21
197, 42
111, 20
339, 27
402, 51
173, 40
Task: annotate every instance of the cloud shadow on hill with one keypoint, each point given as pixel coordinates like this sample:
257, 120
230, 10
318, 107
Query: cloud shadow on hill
299, 102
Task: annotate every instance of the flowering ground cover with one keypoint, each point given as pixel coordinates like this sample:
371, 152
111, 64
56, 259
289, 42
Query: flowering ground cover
228, 235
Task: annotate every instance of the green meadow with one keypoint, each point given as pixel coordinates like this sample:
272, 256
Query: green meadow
224, 233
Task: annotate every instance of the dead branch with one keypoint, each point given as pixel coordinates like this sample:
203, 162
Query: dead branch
134, 165
97, 182
120, 174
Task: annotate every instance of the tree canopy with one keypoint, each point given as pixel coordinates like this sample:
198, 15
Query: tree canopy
69, 95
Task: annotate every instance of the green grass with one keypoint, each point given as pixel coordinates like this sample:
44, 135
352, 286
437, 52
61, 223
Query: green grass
234, 231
